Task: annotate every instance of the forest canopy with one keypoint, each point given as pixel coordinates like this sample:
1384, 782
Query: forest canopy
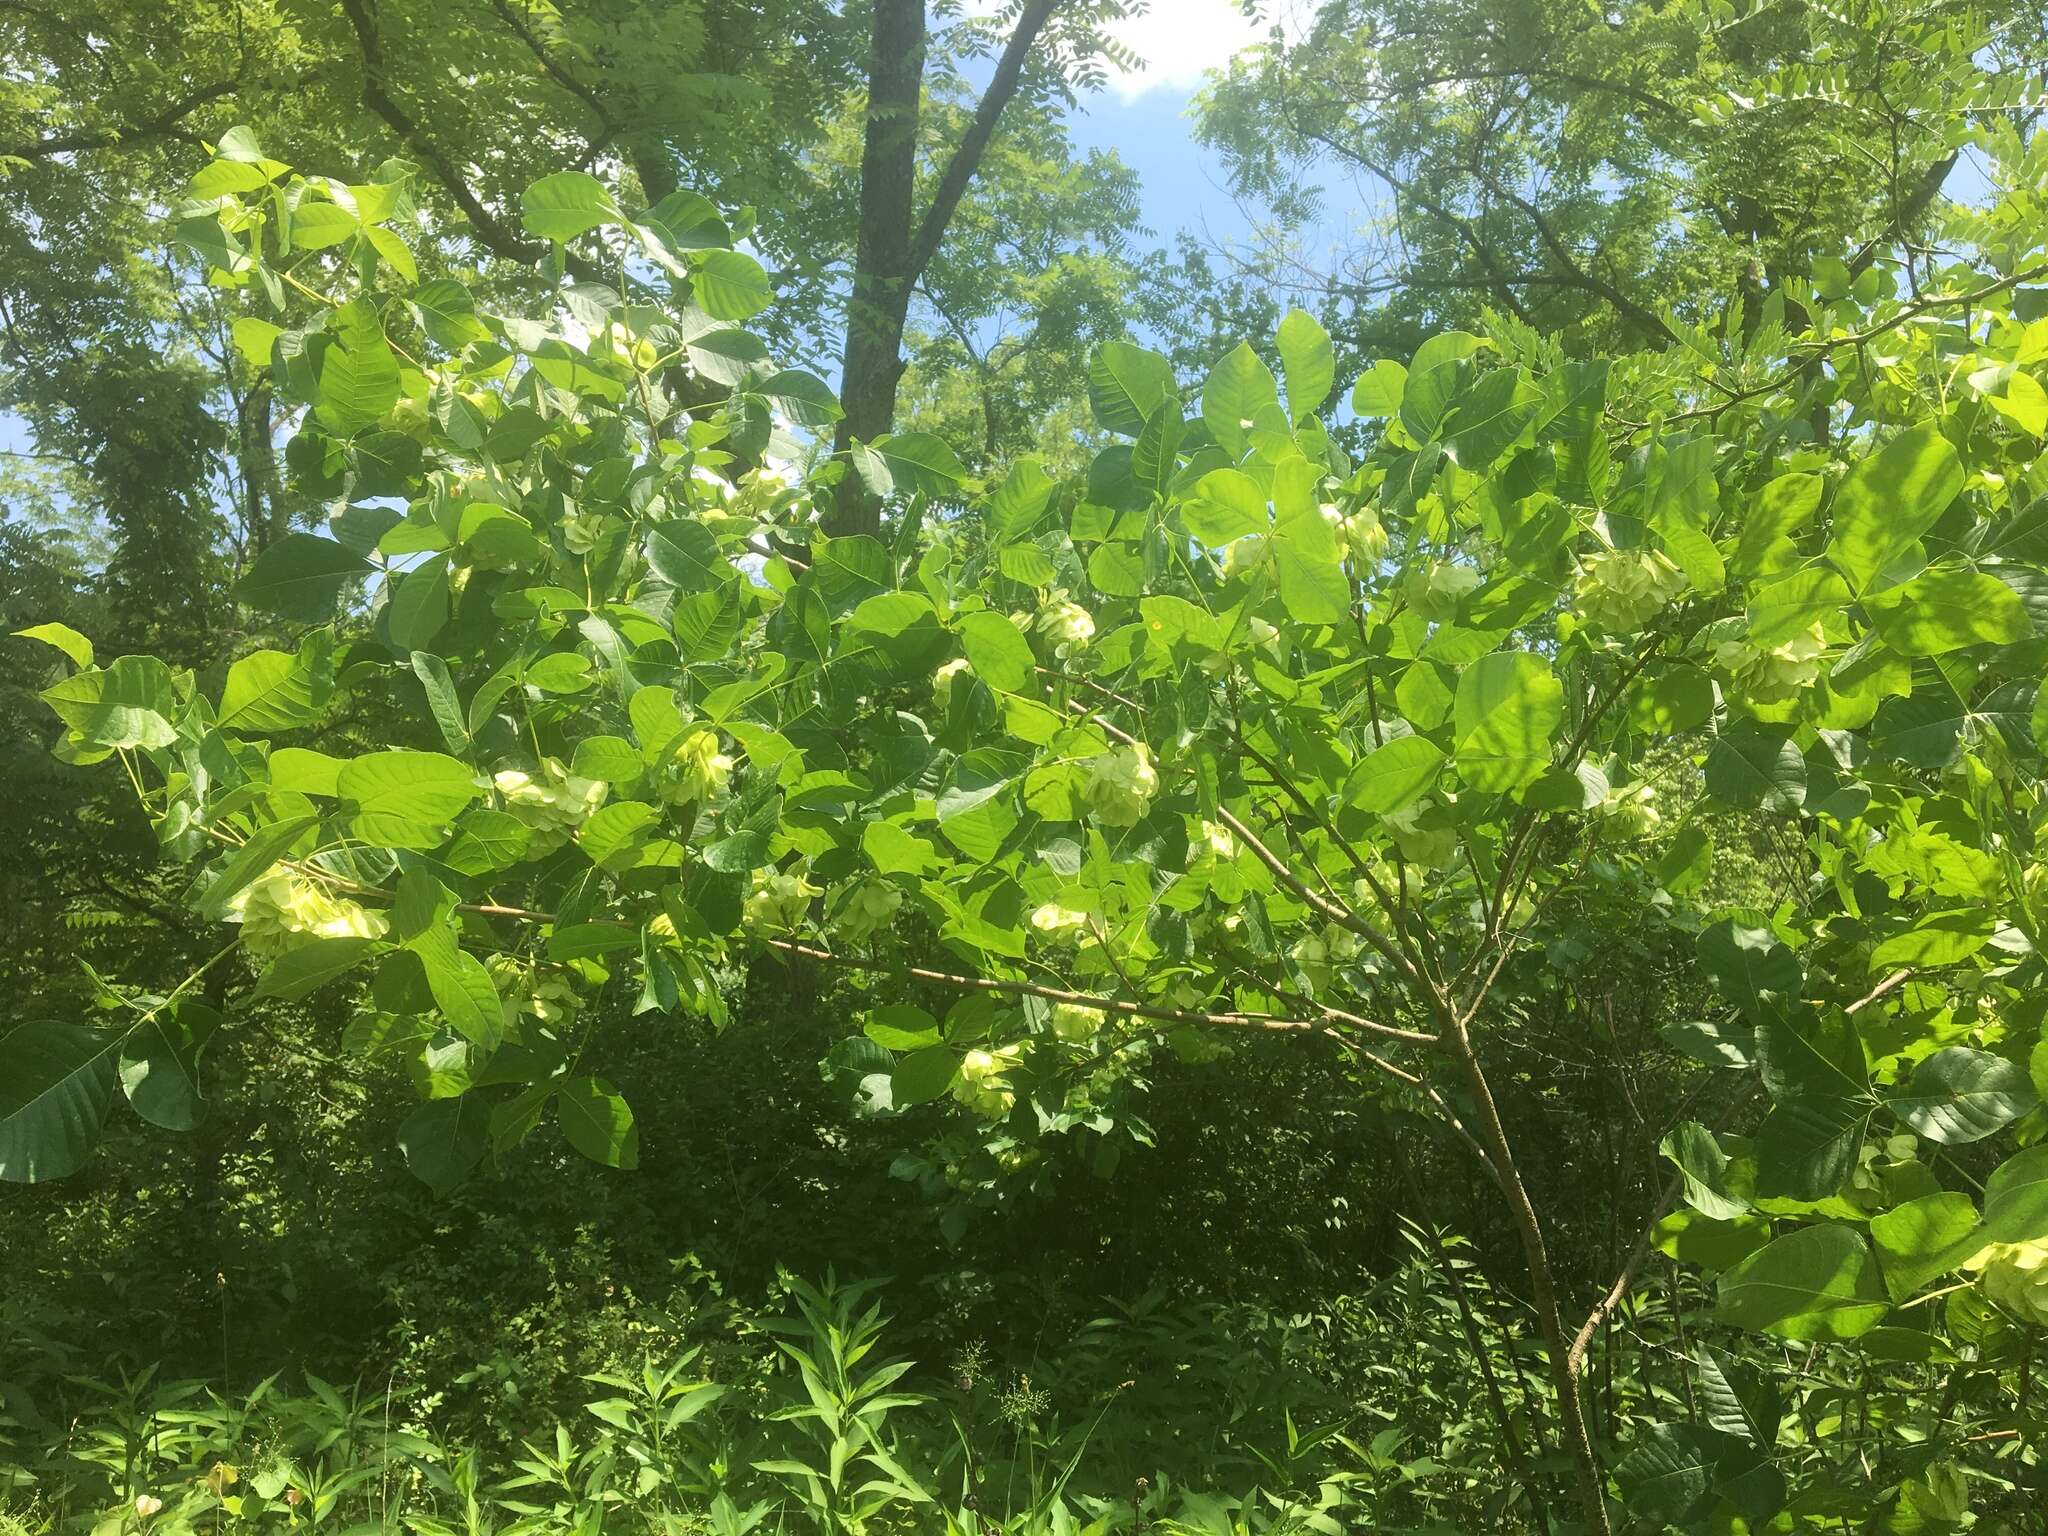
676, 712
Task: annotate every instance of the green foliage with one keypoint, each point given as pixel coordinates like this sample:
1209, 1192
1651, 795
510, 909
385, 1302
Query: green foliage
1584, 756
1147, 1410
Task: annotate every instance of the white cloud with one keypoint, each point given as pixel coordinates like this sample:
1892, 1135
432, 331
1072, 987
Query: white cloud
1180, 42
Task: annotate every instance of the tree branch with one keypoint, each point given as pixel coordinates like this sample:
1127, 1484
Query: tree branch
497, 235
163, 125
966, 158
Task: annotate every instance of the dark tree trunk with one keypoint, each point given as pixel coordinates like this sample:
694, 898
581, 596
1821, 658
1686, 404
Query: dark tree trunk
895, 245
882, 278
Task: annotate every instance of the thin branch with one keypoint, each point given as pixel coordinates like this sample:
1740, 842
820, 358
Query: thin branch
1331, 911
493, 231
1818, 350
163, 125
1385, 898
1052, 994
966, 157
1890, 984
1583, 1341
568, 82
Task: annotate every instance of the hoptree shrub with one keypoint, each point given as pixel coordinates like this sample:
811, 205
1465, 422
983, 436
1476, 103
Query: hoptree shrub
1236, 732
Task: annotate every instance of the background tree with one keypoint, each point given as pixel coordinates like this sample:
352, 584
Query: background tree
1605, 174
1052, 47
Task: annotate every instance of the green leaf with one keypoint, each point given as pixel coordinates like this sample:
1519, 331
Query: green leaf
803, 397
1227, 505
1699, 1157
444, 1139
1889, 500
597, 1121
1020, 501
1779, 510
1305, 550
1668, 1475
567, 204
1156, 457
1491, 416
730, 285
1941, 938
1508, 706
1749, 967
1671, 700
309, 773
1738, 1398
1000, 656
222, 178
1691, 1238
1807, 1147
130, 704
266, 845
420, 786
1379, 389
1680, 499
358, 372
894, 851
1808, 1054
1947, 610
317, 225
301, 577
1308, 361
1790, 606
901, 1027
1688, 862
974, 806
56, 1083
684, 553
419, 605
1676, 1473
2016, 1199
442, 699
64, 638
270, 691
1027, 565
447, 313
613, 759
583, 941
1923, 1239
1423, 698
489, 841
462, 987
160, 1064
612, 838
1754, 766
923, 1076
297, 972
1393, 777
920, 462
1817, 1283
253, 339
1125, 385
1433, 377
1240, 394
1959, 1095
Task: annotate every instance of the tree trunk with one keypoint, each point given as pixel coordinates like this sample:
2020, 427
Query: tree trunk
895, 246
1564, 1370
882, 276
